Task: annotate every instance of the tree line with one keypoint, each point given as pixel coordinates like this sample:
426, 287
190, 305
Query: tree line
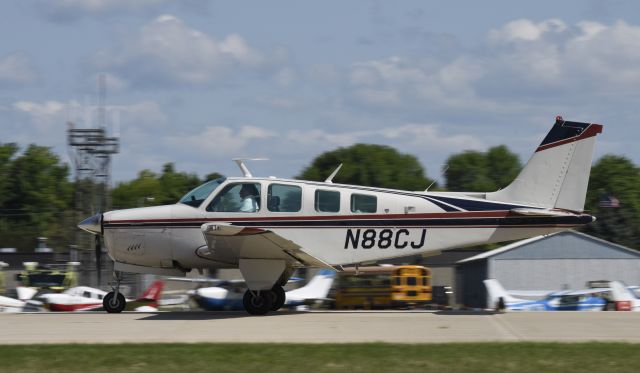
36, 193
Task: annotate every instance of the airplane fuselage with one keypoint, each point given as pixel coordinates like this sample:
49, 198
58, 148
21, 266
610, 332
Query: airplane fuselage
267, 227
393, 224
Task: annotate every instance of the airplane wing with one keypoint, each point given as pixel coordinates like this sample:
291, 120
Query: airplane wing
589, 291
197, 280
530, 293
228, 243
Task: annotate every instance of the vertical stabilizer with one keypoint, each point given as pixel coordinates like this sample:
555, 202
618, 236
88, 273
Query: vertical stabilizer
317, 288
496, 291
154, 291
557, 175
625, 299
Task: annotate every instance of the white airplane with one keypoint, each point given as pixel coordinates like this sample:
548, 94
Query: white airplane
24, 303
321, 224
84, 298
558, 300
228, 296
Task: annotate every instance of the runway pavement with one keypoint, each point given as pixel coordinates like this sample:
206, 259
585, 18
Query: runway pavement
319, 327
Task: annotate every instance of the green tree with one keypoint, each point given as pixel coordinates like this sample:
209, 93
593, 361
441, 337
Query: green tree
175, 184
150, 189
370, 165
7, 154
473, 171
38, 197
141, 191
617, 177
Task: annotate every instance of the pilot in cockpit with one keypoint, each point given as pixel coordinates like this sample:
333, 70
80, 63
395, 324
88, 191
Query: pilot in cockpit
249, 193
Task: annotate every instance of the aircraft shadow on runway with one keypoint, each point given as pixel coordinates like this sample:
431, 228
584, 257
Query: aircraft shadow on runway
210, 315
221, 315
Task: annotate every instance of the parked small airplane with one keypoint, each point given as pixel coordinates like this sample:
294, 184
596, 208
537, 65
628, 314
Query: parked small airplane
624, 297
268, 227
84, 298
228, 296
24, 303
562, 300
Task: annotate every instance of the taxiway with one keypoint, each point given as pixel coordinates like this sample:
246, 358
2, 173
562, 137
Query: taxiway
319, 327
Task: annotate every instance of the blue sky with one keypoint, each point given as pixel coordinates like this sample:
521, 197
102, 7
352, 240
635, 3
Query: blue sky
200, 82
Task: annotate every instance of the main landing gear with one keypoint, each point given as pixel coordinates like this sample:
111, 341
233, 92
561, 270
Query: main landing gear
114, 301
264, 278
260, 302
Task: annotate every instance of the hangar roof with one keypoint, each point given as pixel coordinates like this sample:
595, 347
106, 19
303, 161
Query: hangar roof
562, 245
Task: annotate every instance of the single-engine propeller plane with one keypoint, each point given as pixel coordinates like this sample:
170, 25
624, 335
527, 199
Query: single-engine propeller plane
268, 227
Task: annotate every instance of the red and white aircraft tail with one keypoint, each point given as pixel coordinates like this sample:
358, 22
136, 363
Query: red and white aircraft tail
557, 175
625, 299
153, 292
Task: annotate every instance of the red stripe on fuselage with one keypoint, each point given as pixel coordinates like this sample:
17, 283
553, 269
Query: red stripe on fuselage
461, 214
72, 307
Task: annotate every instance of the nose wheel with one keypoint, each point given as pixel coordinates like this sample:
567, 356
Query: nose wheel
114, 301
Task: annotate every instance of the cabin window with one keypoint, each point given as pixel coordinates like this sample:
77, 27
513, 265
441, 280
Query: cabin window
327, 201
241, 197
284, 198
362, 203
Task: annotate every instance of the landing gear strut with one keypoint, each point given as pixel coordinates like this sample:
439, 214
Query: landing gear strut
258, 302
114, 301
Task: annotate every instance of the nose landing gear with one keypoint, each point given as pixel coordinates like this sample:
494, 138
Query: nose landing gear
114, 301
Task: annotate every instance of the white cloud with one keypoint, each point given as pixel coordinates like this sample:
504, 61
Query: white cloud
16, 70
285, 77
41, 113
168, 52
429, 136
526, 30
49, 118
523, 66
70, 10
217, 141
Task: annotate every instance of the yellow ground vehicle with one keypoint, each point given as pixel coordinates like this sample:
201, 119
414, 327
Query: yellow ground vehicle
52, 277
383, 287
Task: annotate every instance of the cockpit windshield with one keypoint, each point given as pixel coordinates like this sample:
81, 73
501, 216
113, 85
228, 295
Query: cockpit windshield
195, 197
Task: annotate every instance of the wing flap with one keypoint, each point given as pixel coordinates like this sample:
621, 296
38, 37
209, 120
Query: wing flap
230, 243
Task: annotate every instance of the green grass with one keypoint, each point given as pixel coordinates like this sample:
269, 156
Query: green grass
351, 358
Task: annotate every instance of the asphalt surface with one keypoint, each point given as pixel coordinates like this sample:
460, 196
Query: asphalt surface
319, 327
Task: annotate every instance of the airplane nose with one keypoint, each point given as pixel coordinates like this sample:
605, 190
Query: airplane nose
92, 224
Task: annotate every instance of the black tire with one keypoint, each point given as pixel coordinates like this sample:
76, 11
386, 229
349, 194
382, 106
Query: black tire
280, 297
260, 304
112, 305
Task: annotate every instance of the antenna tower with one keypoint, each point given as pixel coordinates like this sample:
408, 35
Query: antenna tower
90, 150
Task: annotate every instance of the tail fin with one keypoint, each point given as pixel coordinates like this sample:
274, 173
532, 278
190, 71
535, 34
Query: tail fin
25, 293
557, 174
496, 291
153, 292
625, 299
317, 288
